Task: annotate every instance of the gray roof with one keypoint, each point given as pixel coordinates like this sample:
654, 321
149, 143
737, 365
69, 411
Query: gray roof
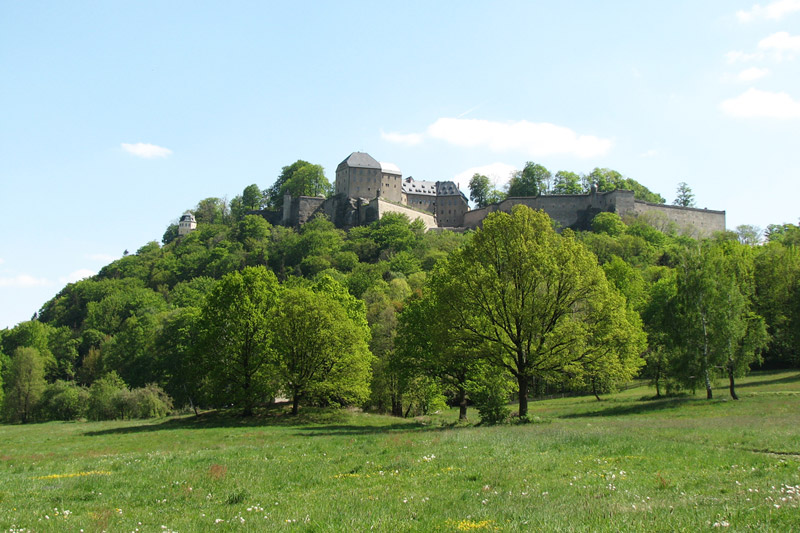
428, 188
360, 160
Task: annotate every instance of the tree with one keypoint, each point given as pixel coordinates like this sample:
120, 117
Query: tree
308, 180
608, 223
252, 198
777, 275
538, 301
429, 345
748, 234
25, 384
715, 326
685, 197
105, 397
567, 183
530, 181
479, 187
321, 346
274, 194
236, 339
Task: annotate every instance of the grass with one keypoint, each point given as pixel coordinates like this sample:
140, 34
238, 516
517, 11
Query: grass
675, 464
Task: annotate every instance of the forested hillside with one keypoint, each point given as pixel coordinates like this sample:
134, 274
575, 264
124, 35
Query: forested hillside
394, 319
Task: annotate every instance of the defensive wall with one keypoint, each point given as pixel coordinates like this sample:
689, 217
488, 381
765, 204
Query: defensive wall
690, 220
576, 211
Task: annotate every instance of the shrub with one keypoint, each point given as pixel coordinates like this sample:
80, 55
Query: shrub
106, 397
490, 396
64, 400
149, 401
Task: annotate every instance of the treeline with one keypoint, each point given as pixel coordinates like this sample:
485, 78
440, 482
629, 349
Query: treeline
394, 319
535, 179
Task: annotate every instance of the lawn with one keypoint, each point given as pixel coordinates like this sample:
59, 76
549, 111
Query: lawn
626, 463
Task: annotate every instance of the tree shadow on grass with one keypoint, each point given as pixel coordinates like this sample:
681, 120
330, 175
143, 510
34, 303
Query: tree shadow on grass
311, 422
794, 378
638, 408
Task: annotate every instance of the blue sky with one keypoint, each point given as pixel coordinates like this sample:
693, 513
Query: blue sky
116, 117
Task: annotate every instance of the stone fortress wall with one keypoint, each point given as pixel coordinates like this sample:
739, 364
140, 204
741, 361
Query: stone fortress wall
576, 211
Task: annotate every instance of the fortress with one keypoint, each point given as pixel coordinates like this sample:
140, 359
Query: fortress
365, 190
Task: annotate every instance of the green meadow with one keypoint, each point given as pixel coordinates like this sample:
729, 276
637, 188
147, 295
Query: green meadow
629, 463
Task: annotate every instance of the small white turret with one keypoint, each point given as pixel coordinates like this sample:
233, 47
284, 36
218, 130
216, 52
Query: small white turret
187, 224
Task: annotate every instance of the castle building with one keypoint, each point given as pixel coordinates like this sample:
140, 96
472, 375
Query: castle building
361, 176
443, 199
187, 224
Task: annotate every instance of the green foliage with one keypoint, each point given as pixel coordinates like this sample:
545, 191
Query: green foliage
64, 400
149, 401
715, 325
321, 338
236, 340
393, 233
479, 187
252, 198
777, 276
539, 301
24, 383
490, 394
567, 183
530, 181
611, 180
684, 196
608, 223
106, 397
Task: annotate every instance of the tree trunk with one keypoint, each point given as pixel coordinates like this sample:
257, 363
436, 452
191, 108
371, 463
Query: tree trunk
594, 390
397, 405
709, 394
732, 385
658, 384
462, 403
523, 396
295, 404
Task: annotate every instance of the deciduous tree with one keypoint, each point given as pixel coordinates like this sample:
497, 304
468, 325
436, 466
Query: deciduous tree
321, 343
237, 341
539, 301
25, 384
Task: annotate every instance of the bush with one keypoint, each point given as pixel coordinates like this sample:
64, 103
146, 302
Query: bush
106, 397
64, 400
150, 401
490, 396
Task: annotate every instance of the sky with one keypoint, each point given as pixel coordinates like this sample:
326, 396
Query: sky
117, 117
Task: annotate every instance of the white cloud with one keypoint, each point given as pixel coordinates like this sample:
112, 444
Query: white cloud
781, 43
649, 153
762, 104
78, 275
535, 139
752, 73
2, 260
531, 138
498, 174
737, 56
410, 139
145, 150
23, 281
773, 11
